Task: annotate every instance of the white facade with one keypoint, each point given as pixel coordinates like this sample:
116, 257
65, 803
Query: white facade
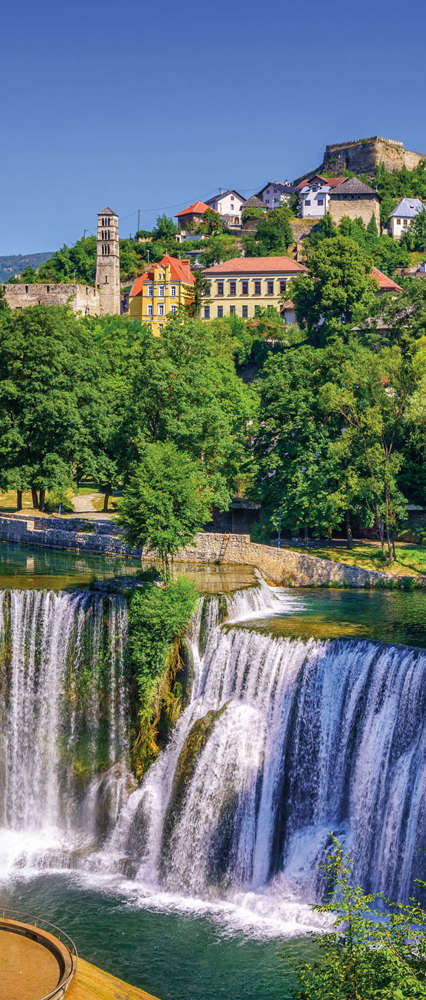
228, 203
403, 215
314, 198
273, 195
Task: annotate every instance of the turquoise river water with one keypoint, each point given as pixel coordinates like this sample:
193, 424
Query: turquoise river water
199, 954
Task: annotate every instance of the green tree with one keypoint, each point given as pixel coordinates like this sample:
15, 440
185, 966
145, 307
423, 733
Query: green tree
164, 228
212, 223
273, 236
48, 385
218, 248
414, 238
337, 291
166, 501
371, 392
366, 956
252, 212
183, 388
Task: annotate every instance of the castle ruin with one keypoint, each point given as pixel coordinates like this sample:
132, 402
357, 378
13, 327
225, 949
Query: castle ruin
101, 300
363, 155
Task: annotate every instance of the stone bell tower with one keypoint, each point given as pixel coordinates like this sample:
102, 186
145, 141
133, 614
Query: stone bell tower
108, 263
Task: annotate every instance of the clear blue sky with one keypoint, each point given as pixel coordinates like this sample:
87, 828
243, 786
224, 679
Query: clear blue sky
153, 105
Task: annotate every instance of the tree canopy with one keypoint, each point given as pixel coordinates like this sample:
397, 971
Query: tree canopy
166, 501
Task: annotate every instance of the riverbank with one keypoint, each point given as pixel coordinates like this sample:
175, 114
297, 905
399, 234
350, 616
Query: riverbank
285, 566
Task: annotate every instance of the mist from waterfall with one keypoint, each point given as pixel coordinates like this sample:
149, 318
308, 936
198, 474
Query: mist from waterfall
281, 742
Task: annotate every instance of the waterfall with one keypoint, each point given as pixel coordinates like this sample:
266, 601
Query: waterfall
62, 710
282, 741
303, 738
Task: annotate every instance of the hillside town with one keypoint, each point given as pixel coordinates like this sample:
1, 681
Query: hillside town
253, 246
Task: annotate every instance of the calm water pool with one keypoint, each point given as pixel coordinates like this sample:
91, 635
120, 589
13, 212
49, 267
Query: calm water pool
174, 957
386, 615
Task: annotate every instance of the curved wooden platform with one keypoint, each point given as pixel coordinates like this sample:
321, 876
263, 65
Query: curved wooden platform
34, 963
91, 983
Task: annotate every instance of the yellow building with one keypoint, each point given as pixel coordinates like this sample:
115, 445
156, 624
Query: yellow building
161, 291
244, 285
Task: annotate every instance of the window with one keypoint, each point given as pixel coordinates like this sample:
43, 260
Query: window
283, 286
256, 310
232, 287
150, 291
173, 309
47, 288
208, 288
206, 312
232, 310
398, 222
220, 288
320, 201
220, 311
173, 291
161, 290
257, 288
150, 310
405, 222
270, 287
244, 287
160, 309
245, 312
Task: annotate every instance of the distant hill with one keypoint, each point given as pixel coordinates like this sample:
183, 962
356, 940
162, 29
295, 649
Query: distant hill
9, 266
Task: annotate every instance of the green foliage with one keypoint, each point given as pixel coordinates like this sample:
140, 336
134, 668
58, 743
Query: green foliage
164, 228
335, 424
252, 212
212, 223
273, 235
48, 394
218, 248
166, 501
367, 956
386, 253
337, 291
158, 619
414, 238
398, 184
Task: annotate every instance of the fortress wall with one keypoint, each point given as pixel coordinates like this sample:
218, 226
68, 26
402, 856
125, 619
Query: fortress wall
364, 155
82, 298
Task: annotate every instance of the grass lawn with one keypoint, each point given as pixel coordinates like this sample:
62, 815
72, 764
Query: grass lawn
96, 502
410, 559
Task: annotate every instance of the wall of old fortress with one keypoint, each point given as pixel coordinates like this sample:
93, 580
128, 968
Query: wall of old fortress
82, 298
364, 155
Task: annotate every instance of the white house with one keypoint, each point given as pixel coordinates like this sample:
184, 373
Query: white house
275, 194
229, 204
403, 215
314, 195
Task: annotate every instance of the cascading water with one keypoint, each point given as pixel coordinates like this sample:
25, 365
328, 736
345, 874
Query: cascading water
282, 741
61, 713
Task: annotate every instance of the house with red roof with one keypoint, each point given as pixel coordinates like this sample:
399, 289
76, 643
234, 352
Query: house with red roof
161, 291
193, 215
243, 286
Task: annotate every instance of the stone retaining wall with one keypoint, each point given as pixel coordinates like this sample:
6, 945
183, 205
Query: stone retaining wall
280, 566
27, 532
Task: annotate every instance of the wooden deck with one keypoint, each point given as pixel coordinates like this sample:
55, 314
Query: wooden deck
91, 983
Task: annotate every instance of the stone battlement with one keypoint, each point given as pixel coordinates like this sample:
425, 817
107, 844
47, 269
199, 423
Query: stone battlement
364, 155
81, 298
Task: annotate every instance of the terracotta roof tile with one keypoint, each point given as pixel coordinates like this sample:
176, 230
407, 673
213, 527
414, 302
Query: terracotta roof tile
197, 208
385, 283
180, 270
257, 265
